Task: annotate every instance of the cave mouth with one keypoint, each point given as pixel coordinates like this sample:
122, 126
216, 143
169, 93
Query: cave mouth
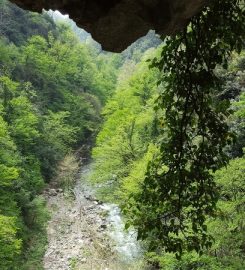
116, 24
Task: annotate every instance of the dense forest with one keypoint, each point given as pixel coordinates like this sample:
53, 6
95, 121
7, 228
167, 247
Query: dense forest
59, 91
127, 142
50, 104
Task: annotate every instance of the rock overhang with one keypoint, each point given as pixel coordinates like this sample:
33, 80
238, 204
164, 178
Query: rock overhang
115, 24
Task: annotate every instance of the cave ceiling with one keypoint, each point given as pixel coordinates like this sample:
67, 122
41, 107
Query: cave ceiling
115, 24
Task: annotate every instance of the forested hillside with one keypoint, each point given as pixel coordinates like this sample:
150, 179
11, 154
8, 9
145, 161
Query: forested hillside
52, 88
128, 141
54, 80
59, 91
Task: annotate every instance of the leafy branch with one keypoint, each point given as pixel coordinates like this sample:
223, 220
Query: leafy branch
179, 191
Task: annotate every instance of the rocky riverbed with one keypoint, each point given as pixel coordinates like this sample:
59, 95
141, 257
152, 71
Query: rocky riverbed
84, 233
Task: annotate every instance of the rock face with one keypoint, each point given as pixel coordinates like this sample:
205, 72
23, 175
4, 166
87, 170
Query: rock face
118, 23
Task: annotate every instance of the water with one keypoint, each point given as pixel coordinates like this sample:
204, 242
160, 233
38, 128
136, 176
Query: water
126, 244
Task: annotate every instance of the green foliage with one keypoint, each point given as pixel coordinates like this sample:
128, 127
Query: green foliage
188, 261
9, 172
174, 207
237, 123
18, 25
37, 238
179, 191
58, 132
126, 133
23, 121
51, 90
227, 228
131, 184
233, 90
9, 243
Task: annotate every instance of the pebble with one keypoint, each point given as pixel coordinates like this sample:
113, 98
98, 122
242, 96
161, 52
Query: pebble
71, 235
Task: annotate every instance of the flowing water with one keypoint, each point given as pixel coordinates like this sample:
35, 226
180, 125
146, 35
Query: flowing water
84, 234
125, 241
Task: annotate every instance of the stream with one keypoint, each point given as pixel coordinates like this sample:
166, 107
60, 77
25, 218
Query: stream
85, 234
125, 242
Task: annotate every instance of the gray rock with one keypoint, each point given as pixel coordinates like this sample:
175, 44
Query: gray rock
52, 192
118, 23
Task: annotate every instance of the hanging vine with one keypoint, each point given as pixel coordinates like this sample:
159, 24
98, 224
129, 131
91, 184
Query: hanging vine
179, 191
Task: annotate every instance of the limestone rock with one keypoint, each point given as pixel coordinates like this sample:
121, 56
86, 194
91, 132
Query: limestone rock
118, 23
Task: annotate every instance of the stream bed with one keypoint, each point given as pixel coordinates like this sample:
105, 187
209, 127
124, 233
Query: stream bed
126, 243
85, 234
